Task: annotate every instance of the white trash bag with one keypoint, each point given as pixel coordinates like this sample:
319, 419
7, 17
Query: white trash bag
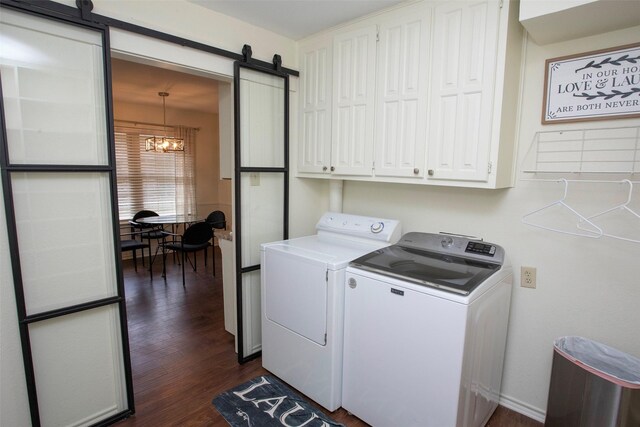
602, 360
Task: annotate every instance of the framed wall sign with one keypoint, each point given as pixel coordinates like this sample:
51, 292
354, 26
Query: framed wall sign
598, 85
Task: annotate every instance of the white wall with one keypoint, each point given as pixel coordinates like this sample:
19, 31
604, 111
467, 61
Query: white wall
586, 287
191, 21
534, 8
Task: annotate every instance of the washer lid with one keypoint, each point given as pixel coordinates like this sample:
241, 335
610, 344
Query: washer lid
447, 272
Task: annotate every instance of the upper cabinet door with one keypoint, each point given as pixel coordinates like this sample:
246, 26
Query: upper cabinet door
402, 83
316, 60
354, 59
463, 78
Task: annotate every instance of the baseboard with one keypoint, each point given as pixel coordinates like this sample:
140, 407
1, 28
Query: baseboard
522, 408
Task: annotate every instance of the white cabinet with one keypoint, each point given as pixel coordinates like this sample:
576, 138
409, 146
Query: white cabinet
354, 59
473, 93
386, 118
429, 91
464, 62
401, 93
314, 155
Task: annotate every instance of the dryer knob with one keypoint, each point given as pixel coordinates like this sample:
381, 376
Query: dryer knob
377, 227
352, 283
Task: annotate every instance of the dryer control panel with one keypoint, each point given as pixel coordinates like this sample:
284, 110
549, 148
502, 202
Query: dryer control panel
364, 227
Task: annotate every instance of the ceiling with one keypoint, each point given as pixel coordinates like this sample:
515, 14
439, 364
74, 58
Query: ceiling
140, 84
295, 19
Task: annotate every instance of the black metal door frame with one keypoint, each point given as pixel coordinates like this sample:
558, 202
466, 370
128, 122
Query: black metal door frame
239, 169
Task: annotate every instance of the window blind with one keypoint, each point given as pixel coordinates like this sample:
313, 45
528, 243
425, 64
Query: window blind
161, 182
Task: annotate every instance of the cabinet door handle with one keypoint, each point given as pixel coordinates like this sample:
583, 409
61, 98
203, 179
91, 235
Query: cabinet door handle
416, 171
430, 172
324, 169
332, 169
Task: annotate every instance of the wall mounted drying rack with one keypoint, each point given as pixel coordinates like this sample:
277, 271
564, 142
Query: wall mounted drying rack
587, 226
599, 150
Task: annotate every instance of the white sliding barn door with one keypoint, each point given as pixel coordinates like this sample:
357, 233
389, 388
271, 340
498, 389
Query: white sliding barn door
261, 188
58, 187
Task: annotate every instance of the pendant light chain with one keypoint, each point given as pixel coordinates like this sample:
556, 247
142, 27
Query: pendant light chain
164, 111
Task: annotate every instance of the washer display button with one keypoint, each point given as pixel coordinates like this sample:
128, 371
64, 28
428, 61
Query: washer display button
481, 248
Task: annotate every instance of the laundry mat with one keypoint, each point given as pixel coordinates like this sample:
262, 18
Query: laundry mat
264, 402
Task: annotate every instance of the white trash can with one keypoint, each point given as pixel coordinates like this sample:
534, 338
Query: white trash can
592, 385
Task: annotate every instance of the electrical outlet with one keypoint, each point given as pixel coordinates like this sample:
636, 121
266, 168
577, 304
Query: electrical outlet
528, 277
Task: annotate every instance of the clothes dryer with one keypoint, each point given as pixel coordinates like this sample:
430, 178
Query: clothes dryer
302, 292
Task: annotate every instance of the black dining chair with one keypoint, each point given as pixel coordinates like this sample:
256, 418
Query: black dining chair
216, 220
147, 232
128, 243
195, 238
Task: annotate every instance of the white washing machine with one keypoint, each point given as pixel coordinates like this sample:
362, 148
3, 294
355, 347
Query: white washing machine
302, 291
425, 332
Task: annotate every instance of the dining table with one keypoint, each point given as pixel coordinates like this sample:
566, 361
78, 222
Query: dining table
173, 220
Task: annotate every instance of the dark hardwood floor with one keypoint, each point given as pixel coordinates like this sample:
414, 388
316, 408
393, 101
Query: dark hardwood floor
182, 357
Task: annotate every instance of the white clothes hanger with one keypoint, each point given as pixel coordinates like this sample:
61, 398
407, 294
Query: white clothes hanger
595, 231
624, 207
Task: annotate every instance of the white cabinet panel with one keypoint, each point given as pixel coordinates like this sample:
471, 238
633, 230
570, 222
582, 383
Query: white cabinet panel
464, 64
476, 63
314, 155
445, 132
353, 96
472, 134
401, 100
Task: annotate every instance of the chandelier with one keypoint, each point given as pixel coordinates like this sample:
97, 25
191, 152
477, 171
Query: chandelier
164, 144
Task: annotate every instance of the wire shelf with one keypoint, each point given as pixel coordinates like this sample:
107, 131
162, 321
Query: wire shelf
601, 151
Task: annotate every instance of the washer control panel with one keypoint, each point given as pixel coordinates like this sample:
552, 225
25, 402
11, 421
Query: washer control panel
386, 230
481, 248
454, 245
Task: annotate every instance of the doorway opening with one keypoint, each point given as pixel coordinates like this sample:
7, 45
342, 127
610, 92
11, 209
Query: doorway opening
161, 312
